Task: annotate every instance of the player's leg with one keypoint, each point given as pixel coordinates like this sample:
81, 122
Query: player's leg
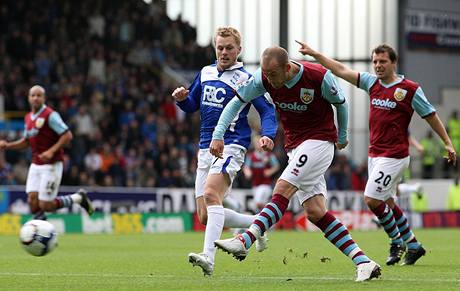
333, 229
32, 188
233, 219
200, 180
50, 180
220, 176
306, 161
415, 249
384, 176
269, 216
337, 233
201, 259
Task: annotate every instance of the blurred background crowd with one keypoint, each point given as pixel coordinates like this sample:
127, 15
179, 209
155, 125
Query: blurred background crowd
103, 67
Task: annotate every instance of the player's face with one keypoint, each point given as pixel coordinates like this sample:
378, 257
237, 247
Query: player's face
275, 73
227, 51
36, 98
383, 67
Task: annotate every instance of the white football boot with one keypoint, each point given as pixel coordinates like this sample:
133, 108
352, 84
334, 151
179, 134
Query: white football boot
234, 246
367, 271
201, 260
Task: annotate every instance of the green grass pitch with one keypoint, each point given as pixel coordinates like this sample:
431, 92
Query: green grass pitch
293, 261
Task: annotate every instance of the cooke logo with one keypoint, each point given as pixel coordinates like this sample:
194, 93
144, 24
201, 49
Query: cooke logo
296, 107
213, 96
384, 104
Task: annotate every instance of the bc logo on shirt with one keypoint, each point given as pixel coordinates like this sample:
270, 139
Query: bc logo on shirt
213, 96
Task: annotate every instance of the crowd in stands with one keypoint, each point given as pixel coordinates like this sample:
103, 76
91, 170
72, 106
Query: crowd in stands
101, 65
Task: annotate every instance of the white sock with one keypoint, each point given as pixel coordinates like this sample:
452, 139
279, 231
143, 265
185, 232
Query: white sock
214, 228
234, 219
76, 198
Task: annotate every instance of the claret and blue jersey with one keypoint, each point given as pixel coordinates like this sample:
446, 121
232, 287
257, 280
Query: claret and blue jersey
391, 110
211, 91
303, 104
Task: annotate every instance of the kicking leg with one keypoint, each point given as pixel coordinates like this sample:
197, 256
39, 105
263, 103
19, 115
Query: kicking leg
270, 215
338, 235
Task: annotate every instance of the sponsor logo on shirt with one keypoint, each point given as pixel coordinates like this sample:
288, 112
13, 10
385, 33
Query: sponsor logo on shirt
213, 96
307, 95
295, 107
383, 104
400, 94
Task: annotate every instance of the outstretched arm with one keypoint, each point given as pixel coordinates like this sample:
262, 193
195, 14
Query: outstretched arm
336, 67
14, 145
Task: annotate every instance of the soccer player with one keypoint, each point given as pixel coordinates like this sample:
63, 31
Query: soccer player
259, 167
210, 92
393, 99
303, 94
46, 134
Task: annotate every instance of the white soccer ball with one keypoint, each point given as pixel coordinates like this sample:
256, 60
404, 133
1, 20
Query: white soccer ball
38, 237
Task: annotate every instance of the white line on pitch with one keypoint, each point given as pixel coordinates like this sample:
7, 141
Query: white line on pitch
226, 278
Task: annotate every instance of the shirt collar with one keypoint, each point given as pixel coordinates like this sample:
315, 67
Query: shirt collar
35, 115
291, 83
237, 65
398, 80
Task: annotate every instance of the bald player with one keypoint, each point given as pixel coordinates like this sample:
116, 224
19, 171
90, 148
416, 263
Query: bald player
304, 94
46, 134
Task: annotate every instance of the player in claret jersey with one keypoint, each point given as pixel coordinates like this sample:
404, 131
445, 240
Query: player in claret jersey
393, 100
259, 167
303, 94
46, 134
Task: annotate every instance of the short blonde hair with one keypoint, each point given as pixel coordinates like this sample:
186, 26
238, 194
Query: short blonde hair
226, 31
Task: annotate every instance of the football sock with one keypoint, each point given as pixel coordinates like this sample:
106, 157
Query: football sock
387, 220
213, 230
64, 201
404, 229
339, 236
234, 219
270, 214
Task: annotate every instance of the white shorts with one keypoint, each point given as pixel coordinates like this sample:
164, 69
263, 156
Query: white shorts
262, 193
307, 165
44, 179
384, 176
231, 163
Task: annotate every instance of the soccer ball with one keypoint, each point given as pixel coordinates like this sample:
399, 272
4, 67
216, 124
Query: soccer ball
38, 237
